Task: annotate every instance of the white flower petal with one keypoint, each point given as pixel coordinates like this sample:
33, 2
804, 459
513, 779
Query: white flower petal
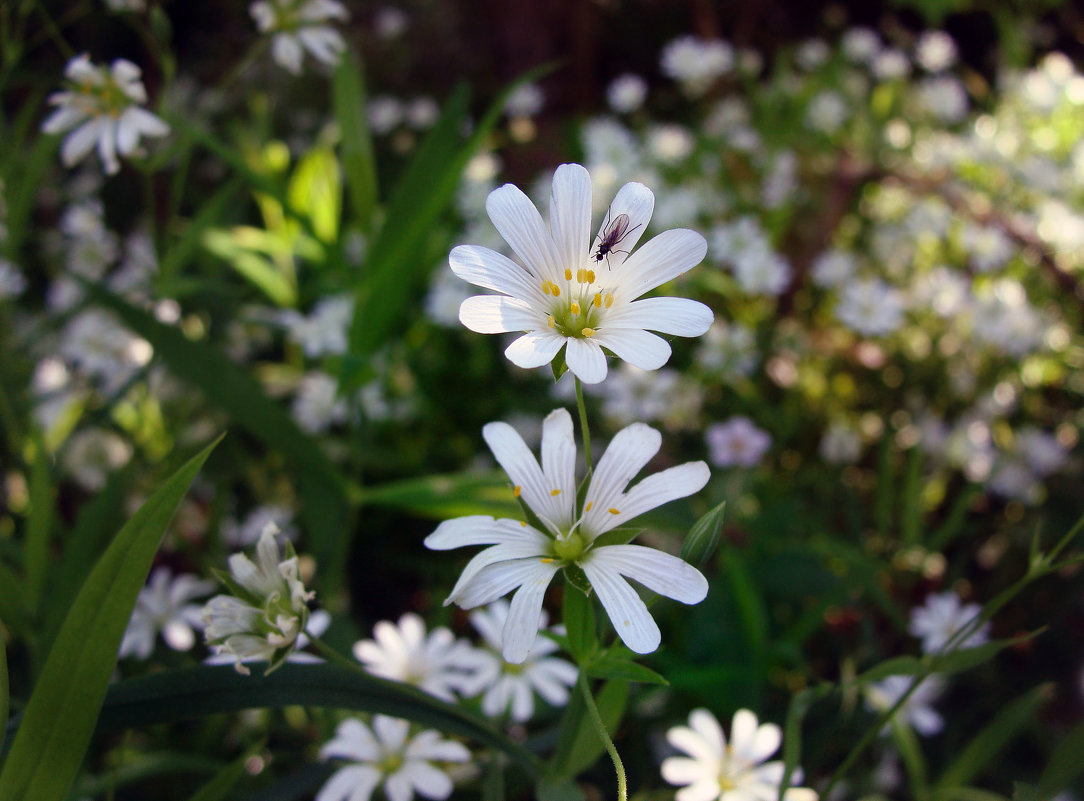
586, 360
635, 346
352, 783
534, 349
428, 781
81, 141
570, 213
627, 454
477, 530
286, 51
681, 770
627, 612
707, 726
658, 571
703, 790
525, 615
513, 455
501, 578
397, 787
353, 740
662, 259
497, 314
430, 745
518, 221
62, 119
678, 316
638, 202
391, 732
655, 490
492, 270
559, 460
497, 553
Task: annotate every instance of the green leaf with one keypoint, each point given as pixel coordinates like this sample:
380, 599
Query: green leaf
792, 731
315, 190
39, 525
356, 149
966, 658
750, 605
704, 536
906, 742
580, 748
981, 752
442, 497
1065, 765
617, 536
579, 619
59, 719
1024, 792
325, 512
189, 693
896, 666
13, 611
259, 270
614, 666
550, 789
493, 784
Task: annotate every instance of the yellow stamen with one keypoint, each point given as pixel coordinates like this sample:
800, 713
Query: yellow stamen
588, 332
575, 307
598, 301
556, 290
589, 505
614, 511
552, 323
546, 560
554, 493
523, 524
579, 275
590, 276
517, 491
545, 287
568, 274
609, 299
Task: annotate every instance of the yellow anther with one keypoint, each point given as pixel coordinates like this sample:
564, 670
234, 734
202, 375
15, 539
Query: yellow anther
614, 511
517, 491
588, 332
568, 274
546, 560
552, 323
523, 524
609, 299
590, 276
589, 505
556, 290
575, 307
546, 287
554, 493
598, 301
579, 275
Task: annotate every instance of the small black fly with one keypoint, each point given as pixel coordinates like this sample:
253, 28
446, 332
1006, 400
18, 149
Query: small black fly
612, 236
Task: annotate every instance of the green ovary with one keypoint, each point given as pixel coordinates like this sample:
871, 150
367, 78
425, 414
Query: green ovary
570, 548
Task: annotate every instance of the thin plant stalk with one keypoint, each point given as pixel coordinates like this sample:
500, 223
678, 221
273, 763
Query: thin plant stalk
600, 727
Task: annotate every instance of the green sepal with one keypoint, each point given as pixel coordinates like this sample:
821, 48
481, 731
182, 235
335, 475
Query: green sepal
703, 537
617, 536
575, 576
613, 666
558, 365
532, 520
236, 589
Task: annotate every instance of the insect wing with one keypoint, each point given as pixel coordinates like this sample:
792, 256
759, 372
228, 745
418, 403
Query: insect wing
617, 231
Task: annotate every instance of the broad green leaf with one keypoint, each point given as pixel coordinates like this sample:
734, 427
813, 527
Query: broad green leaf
39, 524
445, 496
613, 666
575, 576
59, 718
356, 149
1065, 765
13, 611
550, 789
254, 267
325, 512
580, 747
703, 537
981, 752
189, 693
145, 767
315, 190
579, 619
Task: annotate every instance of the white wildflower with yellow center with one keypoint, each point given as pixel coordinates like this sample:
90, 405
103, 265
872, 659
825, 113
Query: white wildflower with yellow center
525, 557
576, 293
103, 106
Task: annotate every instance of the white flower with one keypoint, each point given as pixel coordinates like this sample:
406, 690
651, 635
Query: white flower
729, 349
870, 307
385, 113
162, 606
297, 26
935, 51
105, 109
670, 143
324, 331
437, 663
317, 405
387, 755
696, 63
988, 246
729, 771
834, 268
940, 617
389, 22
575, 295
318, 623
944, 97
12, 282
525, 557
247, 532
736, 442
811, 54
841, 444
633, 394
1041, 451
268, 608
827, 112
626, 93
422, 113
525, 101
917, 710
92, 454
860, 45
511, 688
890, 65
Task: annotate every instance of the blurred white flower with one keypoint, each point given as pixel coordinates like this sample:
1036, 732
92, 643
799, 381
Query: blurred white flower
917, 711
834, 268
1041, 451
386, 754
510, 689
575, 296
811, 54
525, 101
1004, 320
632, 394
317, 405
729, 349
827, 112
390, 22
729, 771
247, 532
162, 606
324, 331
781, 180
521, 556
945, 97
92, 454
870, 307
940, 617
12, 282
935, 51
437, 663
385, 114
988, 247
670, 143
104, 107
736, 442
267, 611
861, 45
890, 65
318, 623
626, 93
299, 25
841, 443
135, 6
762, 273
422, 112
696, 63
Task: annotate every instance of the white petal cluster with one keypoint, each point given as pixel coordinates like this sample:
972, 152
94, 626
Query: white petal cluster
163, 607
297, 26
737, 442
870, 307
268, 608
510, 689
729, 771
104, 107
436, 662
696, 63
525, 558
386, 755
939, 619
917, 711
569, 293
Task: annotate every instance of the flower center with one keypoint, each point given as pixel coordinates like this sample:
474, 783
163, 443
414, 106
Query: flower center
578, 305
570, 548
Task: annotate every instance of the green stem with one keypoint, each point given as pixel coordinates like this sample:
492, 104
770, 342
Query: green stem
584, 428
334, 656
600, 727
